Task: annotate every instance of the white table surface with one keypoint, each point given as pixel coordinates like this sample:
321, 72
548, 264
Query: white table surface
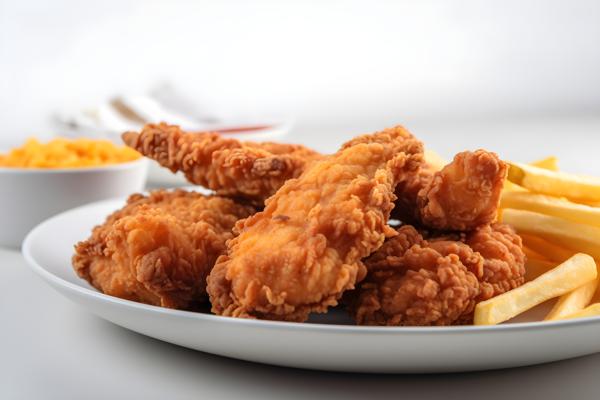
52, 349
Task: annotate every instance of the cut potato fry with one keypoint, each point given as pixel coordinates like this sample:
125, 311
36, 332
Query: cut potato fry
532, 254
558, 207
510, 187
573, 273
546, 249
578, 237
556, 214
550, 163
573, 302
535, 267
594, 204
434, 159
554, 183
590, 311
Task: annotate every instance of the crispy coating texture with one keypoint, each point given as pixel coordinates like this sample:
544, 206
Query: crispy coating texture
232, 168
416, 282
503, 259
465, 194
159, 249
304, 250
462, 196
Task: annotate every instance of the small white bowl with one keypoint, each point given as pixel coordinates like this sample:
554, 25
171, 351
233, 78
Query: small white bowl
30, 195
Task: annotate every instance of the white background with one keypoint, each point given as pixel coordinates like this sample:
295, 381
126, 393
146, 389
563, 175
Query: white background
518, 77
337, 67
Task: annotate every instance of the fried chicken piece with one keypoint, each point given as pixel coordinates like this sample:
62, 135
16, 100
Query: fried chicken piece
503, 259
465, 194
158, 249
416, 282
462, 196
413, 283
232, 168
304, 250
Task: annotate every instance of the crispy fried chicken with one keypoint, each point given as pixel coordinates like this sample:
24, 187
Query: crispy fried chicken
413, 281
158, 249
462, 196
232, 168
304, 250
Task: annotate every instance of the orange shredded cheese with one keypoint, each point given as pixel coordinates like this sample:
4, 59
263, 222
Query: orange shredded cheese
67, 153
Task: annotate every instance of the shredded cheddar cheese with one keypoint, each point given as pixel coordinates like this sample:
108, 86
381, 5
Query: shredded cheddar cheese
67, 153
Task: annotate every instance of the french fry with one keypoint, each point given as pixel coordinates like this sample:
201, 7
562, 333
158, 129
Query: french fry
550, 163
594, 204
546, 249
556, 214
510, 187
555, 183
590, 311
573, 302
578, 237
576, 271
558, 207
532, 254
535, 267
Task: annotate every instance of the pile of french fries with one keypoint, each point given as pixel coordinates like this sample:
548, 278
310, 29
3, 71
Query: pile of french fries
558, 216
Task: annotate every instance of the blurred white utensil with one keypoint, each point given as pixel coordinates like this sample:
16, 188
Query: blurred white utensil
131, 112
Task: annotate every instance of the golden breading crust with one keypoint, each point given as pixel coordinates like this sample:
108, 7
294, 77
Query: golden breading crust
158, 249
231, 168
417, 282
304, 250
462, 196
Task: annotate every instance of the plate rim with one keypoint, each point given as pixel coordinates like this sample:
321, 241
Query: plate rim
51, 278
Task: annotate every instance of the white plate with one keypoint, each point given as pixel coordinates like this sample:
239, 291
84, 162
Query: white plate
327, 345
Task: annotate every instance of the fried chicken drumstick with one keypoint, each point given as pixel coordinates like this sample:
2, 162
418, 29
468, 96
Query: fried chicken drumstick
158, 249
304, 250
231, 168
418, 282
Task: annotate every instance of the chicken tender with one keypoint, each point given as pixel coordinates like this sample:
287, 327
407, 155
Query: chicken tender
232, 168
304, 250
158, 249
